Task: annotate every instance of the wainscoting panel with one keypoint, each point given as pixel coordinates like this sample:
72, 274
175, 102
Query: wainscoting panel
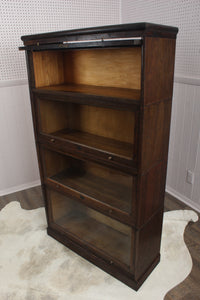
18, 162
184, 149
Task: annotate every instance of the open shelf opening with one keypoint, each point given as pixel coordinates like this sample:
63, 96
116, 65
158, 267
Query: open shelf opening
106, 185
107, 72
97, 230
104, 129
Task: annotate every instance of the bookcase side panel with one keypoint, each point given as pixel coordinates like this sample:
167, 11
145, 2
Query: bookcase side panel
159, 56
31, 79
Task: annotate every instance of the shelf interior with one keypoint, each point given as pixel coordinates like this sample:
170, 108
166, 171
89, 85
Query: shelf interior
101, 183
95, 71
92, 227
100, 128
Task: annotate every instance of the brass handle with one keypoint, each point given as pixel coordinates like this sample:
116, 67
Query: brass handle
110, 157
52, 140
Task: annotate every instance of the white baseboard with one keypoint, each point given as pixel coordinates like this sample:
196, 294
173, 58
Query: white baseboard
182, 198
17, 82
19, 187
187, 79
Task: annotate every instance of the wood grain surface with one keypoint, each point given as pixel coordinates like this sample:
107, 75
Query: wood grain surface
133, 141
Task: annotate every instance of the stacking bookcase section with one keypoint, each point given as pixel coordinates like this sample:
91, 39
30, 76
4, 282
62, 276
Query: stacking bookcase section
107, 134
90, 74
101, 104
105, 189
102, 234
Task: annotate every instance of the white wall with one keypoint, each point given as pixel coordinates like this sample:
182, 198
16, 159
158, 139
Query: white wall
184, 148
18, 164
17, 153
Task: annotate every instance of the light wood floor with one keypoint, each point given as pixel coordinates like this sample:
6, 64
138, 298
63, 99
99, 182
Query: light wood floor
189, 289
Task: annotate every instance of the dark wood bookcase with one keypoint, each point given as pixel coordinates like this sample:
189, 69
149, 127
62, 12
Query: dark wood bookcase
101, 103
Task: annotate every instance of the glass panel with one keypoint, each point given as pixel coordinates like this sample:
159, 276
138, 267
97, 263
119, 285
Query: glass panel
100, 128
101, 232
107, 185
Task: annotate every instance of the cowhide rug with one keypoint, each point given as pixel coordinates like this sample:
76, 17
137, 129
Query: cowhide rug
35, 266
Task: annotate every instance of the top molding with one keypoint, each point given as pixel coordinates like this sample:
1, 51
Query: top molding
132, 29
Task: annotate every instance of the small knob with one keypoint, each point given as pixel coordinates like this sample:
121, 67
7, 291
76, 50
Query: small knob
110, 157
110, 211
111, 262
52, 140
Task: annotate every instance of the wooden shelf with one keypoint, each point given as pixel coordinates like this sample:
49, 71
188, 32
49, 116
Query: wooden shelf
107, 190
97, 94
96, 90
111, 146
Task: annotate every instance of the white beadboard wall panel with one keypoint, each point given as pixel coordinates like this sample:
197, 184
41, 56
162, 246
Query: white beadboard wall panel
184, 138
17, 153
184, 147
193, 138
184, 97
196, 188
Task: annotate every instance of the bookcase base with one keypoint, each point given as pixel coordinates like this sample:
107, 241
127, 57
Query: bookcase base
111, 269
